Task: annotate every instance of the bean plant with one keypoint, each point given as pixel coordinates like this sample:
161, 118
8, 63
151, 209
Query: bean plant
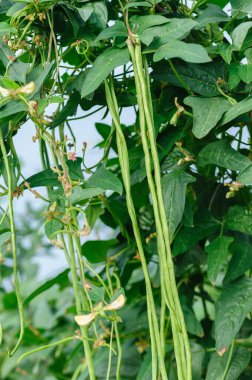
169, 295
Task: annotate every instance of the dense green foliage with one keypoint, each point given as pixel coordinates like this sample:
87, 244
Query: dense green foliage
174, 186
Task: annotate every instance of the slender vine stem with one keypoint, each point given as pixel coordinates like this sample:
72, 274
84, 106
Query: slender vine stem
13, 244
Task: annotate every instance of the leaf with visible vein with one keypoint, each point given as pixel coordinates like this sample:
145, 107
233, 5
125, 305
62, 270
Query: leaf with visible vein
206, 113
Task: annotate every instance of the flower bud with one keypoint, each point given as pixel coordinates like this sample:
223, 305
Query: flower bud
4, 92
85, 319
27, 89
117, 304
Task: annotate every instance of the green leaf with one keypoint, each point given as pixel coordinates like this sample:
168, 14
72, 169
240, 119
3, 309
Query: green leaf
43, 178
96, 251
233, 75
136, 4
189, 236
78, 194
239, 219
198, 354
106, 180
237, 110
245, 73
206, 113
145, 369
216, 366
96, 293
17, 69
174, 191
220, 153
102, 67
239, 34
212, 14
96, 13
49, 178
86, 11
93, 212
51, 227
178, 49
232, 308
240, 361
226, 52
69, 109
61, 279
245, 177
217, 252
116, 30
5, 28
174, 30
38, 75
140, 23
201, 79
193, 326
241, 260
241, 5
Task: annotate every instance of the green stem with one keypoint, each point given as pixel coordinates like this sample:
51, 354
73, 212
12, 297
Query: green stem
13, 244
229, 360
45, 347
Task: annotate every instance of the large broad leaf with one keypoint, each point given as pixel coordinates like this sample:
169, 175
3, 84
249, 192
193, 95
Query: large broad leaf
201, 79
176, 29
188, 237
206, 113
217, 252
79, 195
216, 367
61, 279
48, 178
245, 177
106, 180
242, 5
245, 73
212, 14
38, 75
232, 308
145, 369
178, 49
96, 250
5, 29
237, 110
240, 361
241, 260
193, 326
117, 30
140, 23
239, 34
174, 191
198, 354
102, 67
95, 12
17, 69
239, 219
220, 153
